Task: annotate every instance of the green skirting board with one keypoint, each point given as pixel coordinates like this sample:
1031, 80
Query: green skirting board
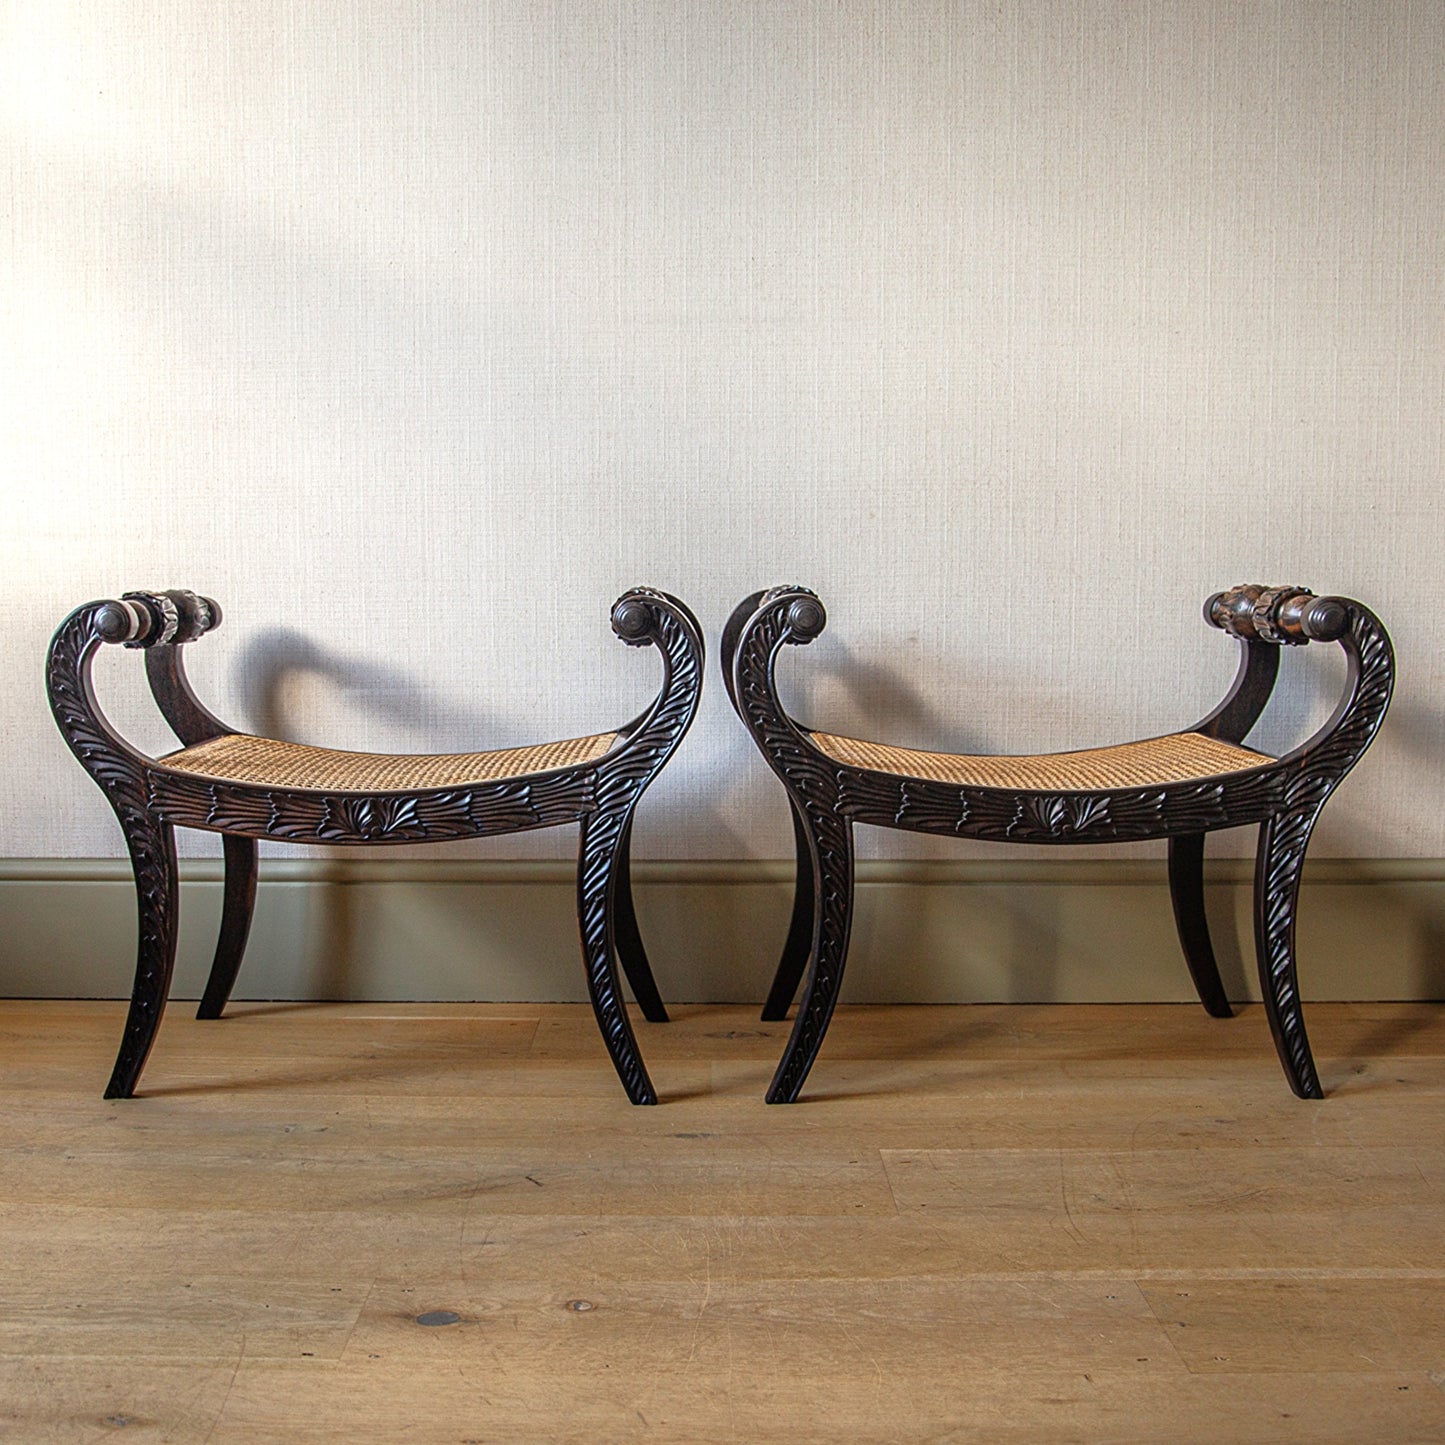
1025, 931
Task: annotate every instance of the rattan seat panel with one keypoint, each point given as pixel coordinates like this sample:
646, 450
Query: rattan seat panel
265, 762
1177, 758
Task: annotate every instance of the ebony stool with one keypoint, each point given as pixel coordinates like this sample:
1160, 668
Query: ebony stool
247, 788
1180, 787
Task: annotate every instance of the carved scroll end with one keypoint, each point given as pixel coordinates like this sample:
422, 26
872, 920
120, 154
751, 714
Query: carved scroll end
643, 615
805, 617
633, 619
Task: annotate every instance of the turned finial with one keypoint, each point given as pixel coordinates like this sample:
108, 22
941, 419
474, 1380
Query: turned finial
150, 619
1289, 616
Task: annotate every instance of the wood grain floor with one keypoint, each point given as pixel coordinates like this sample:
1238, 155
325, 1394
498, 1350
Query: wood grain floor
985, 1223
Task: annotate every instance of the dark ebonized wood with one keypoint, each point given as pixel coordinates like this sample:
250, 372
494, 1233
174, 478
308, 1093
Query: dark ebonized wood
1283, 796
151, 800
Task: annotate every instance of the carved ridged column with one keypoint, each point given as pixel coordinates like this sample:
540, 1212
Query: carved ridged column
1284, 839
121, 774
794, 615
640, 618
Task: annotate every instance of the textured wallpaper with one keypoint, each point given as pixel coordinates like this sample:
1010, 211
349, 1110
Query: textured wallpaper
414, 333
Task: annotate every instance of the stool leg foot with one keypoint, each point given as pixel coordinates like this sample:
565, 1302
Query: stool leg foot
600, 853
830, 845
236, 912
1282, 844
153, 857
1186, 891
799, 945
630, 950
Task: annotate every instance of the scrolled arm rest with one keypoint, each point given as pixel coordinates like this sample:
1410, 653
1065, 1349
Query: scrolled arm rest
805, 619
1291, 616
150, 619
644, 617
1287, 616
760, 627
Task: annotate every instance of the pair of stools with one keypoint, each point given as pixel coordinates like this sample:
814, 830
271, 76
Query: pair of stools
1180, 787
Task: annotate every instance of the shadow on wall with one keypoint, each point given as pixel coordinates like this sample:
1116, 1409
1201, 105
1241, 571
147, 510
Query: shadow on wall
1412, 729
269, 663
714, 943
1406, 915
880, 699
277, 656
912, 949
514, 939
906, 941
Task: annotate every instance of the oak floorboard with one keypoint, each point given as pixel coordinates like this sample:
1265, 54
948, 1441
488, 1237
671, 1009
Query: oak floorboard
105, 1248
1339, 1325
983, 1224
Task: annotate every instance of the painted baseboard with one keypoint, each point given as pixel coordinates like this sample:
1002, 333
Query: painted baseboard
1017, 931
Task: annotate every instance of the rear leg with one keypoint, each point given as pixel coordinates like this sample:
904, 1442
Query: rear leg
799, 943
1186, 892
236, 913
630, 950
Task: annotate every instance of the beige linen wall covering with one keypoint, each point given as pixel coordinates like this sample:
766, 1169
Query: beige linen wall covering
414, 333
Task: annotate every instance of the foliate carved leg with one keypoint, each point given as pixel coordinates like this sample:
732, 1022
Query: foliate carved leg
630, 949
1282, 843
1186, 891
153, 857
236, 913
799, 944
830, 841
601, 849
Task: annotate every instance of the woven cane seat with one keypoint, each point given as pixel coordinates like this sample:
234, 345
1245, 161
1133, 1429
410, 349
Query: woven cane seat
264, 762
1177, 758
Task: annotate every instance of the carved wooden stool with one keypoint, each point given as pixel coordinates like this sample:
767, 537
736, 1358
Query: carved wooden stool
247, 788
1178, 787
